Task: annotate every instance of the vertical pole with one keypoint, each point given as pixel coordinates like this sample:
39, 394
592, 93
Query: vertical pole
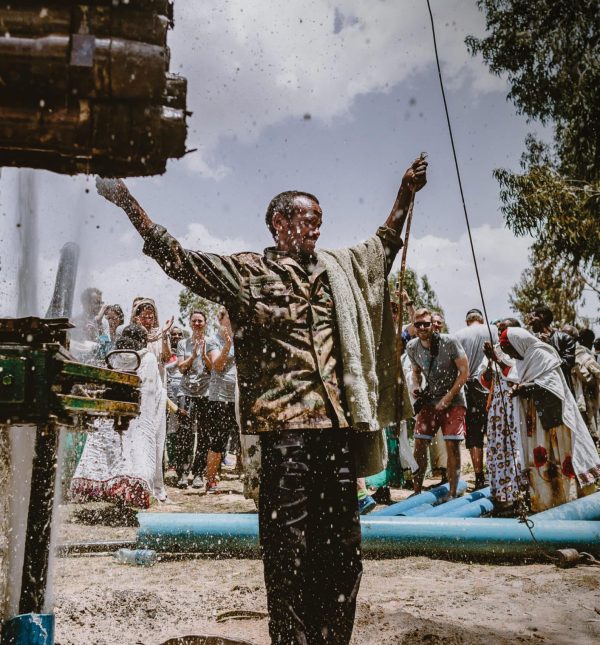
39, 520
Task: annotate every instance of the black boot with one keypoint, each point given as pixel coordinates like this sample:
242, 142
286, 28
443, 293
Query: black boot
479, 481
383, 495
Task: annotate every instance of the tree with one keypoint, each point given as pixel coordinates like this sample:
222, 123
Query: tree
549, 50
548, 282
189, 301
419, 291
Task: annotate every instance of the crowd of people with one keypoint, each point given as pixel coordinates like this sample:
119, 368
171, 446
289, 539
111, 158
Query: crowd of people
525, 401
319, 382
533, 392
187, 403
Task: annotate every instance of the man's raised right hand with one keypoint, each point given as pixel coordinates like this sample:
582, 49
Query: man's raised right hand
114, 190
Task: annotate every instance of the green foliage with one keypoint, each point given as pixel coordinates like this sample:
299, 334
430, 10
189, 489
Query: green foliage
189, 302
550, 49
551, 283
419, 291
550, 52
561, 213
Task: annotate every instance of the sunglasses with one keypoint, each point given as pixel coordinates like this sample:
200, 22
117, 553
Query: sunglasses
422, 325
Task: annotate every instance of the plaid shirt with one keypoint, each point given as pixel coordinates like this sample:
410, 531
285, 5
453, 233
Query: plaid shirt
285, 336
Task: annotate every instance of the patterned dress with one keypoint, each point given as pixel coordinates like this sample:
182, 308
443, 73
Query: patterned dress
504, 451
551, 474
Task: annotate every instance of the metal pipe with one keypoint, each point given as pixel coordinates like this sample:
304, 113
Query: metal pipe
453, 538
106, 546
448, 507
584, 508
39, 520
61, 305
433, 497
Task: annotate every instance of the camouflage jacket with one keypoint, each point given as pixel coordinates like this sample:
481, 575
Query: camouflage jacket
283, 318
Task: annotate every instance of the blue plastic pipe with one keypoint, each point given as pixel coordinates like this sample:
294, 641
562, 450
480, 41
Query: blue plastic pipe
433, 497
448, 507
236, 535
476, 508
585, 508
417, 510
28, 629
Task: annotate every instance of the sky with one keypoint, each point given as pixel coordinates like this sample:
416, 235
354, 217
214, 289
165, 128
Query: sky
334, 98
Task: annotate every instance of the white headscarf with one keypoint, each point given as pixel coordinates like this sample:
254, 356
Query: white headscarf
540, 364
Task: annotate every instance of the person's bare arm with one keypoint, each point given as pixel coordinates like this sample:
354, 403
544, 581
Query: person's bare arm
462, 363
165, 349
417, 376
413, 180
184, 364
215, 277
220, 357
210, 359
115, 191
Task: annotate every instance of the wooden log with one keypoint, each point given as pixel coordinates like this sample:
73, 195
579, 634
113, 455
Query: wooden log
162, 7
121, 69
112, 140
101, 21
30, 21
176, 92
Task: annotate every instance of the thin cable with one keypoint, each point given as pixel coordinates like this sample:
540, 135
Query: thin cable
462, 194
522, 512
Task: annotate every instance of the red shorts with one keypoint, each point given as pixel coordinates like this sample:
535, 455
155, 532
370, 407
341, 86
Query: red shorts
451, 421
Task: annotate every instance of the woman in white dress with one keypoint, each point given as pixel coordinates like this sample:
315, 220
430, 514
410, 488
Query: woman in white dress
123, 467
144, 313
561, 459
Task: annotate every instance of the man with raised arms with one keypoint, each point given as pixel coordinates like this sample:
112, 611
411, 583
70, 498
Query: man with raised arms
299, 356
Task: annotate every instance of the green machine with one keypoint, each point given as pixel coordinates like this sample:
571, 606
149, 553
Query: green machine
40, 383
42, 386
44, 393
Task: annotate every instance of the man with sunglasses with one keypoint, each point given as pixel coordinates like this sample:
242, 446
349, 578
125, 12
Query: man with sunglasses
441, 360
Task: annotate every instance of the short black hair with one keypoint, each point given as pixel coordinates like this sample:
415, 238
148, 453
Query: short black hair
474, 314
512, 322
284, 204
117, 310
586, 338
544, 312
199, 312
133, 336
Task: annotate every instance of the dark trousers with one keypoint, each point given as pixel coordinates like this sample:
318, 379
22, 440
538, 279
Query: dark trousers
476, 414
196, 421
309, 535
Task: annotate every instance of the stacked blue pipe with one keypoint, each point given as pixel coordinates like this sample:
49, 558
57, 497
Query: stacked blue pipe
455, 504
236, 535
476, 508
584, 508
432, 497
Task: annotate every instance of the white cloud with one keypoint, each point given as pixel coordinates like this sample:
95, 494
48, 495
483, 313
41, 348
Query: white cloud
122, 281
251, 65
449, 266
197, 236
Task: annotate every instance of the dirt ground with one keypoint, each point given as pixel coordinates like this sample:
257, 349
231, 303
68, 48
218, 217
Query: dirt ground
410, 600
